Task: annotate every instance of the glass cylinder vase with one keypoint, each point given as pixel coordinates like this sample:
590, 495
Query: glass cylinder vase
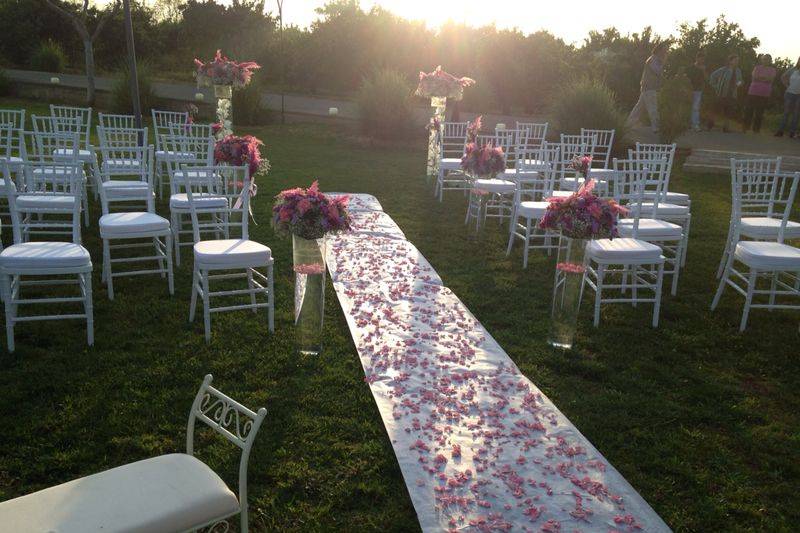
439, 104
570, 270
224, 94
309, 293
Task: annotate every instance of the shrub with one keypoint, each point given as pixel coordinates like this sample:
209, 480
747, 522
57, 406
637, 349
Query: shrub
121, 91
5, 84
49, 57
674, 108
248, 108
587, 103
384, 105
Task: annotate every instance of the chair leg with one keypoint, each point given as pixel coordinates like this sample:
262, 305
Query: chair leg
748, 300
193, 302
107, 268
8, 296
527, 243
160, 260
85, 199
657, 303
175, 225
206, 306
598, 294
88, 307
772, 288
168, 253
722, 282
251, 287
686, 240
270, 301
725, 253
512, 227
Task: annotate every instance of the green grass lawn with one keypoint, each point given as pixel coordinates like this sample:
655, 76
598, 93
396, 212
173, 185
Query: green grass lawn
701, 420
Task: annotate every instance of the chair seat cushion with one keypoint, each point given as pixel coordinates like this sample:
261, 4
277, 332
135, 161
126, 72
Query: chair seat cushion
450, 163
532, 209
562, 194
46, 201
495, 185
127, 223
650, 228
623, 250
44, 255
171, 153
193, 174
83, 155
765, 227
121, 163
665, 209
125, 188
168, 493
202, 201
12, 160
233, 253
768, 255
677, 198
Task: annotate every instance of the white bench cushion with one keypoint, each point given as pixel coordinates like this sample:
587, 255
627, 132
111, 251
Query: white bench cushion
623, 250
44, 255
168, 493
231, 253
495, 185
532, 209
201, 201
116, 224
765, 227
768, 255
650, 228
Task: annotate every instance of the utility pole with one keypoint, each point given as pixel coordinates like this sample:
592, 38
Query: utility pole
134, 75
283, 60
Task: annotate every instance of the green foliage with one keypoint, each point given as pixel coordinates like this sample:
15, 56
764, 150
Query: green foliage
6, 88
674, 108
587, 103
121, 91
49, 57
248, 108
384, 105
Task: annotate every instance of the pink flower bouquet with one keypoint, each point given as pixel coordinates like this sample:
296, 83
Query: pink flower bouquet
583, 215
308, 213
474, 128
486, 160
581, 164
223, 71
442, 85
238, 151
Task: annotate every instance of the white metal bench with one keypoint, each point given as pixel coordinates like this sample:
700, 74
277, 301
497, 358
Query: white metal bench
169, 493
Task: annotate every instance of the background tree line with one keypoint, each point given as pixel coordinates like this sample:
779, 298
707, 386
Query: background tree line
516, 72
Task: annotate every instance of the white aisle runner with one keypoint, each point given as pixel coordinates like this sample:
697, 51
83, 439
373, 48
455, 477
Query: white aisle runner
480, 447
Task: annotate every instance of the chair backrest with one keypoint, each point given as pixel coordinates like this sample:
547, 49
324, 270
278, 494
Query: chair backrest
121, 137
6, 140
231, 182
535, 133
604, 142
756, 195
658, 151
658, 167
233, 421
162, 121
627, 186
132, 163
180, 152
536, 179
51, 124
82, 114
770, 194
15, 117
509, 140
572, 146
51, 146
191, 130
56, 189
453, 139
110, 121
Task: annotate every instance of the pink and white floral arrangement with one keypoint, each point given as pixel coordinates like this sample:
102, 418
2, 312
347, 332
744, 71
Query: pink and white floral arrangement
440, 84
474, 128
309, 213
239, 151
486, 160
583, 215
223, 71
581, 164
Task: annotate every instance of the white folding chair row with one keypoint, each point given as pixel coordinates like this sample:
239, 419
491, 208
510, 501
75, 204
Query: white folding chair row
759, 215
162, 122
137, 229
235, 256
49, 263
535, 186
453, 138
626, 263
772, 261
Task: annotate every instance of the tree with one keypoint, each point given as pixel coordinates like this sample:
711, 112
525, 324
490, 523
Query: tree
80, 21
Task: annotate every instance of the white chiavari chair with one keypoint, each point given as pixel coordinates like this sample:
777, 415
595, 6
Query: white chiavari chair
84, 117
626, 263
450, 178
232, 257
29, 263
758, 220
572, 146
535, 134
113, 122
774, 262
126, 168
534, 188
14, 117
161, 126
181, 154
192, 130
137, 229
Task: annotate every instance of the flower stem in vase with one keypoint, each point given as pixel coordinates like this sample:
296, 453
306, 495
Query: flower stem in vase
570, 270
434, 145
309, 293
224, 94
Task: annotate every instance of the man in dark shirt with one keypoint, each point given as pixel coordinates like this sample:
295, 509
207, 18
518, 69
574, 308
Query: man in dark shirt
697, 77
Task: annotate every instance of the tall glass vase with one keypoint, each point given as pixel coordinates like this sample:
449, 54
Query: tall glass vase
434, 145
224, 94
570, 270
309, 293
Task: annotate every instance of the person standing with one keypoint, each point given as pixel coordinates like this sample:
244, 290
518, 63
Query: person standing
697, 77
649, 86
791, 101
726, 81
758, 93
